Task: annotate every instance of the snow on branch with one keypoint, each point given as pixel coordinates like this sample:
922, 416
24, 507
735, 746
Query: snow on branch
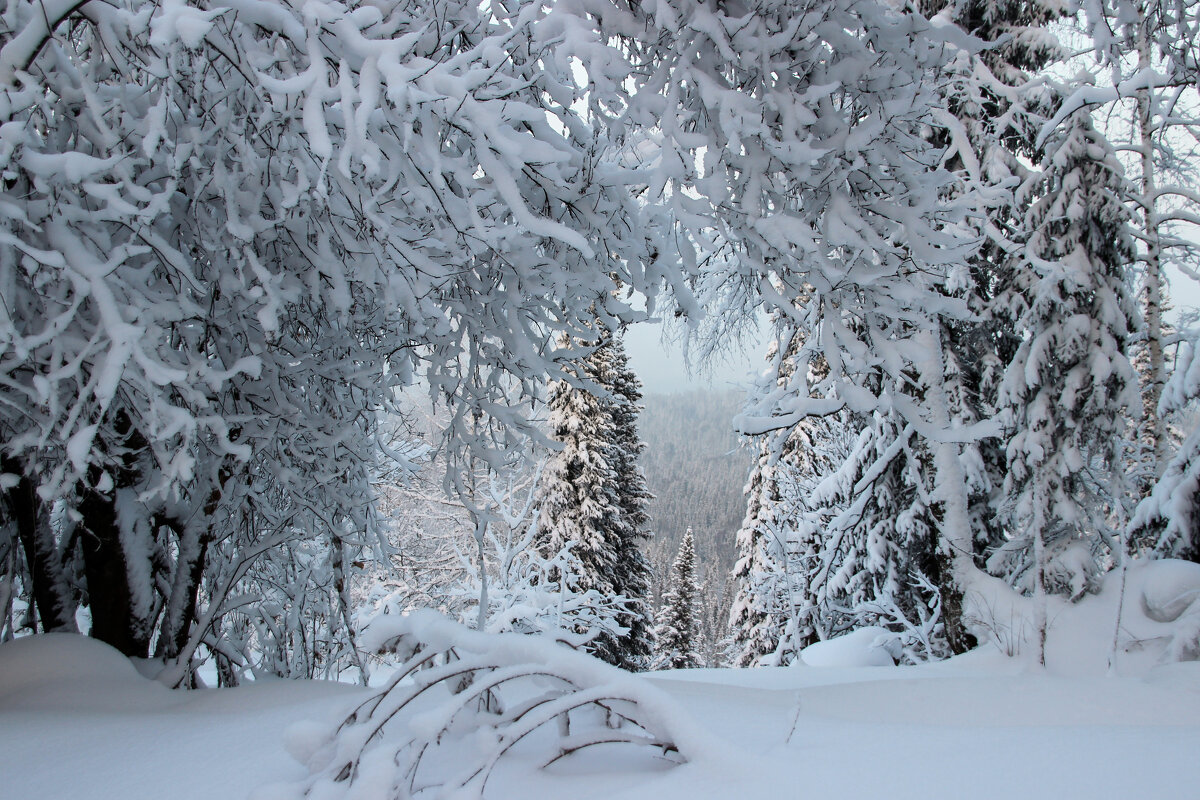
462, 700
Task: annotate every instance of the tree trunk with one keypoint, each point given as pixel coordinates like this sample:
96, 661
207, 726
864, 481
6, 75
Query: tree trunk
51, 589
342, 586
956, 542
110, 596
181, 607
958, 636
1154, 377
1040, 616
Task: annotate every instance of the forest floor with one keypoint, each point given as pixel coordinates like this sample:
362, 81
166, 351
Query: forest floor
77, 721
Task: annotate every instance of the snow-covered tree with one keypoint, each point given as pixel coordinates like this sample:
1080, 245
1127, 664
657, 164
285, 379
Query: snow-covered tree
813, 182
753, 624
1145, 81
578, 496
632, 573
676, 632
877, 540
529, 594
235, 229
1070, 383
775, 612
592, 495
1167, 521
994, 93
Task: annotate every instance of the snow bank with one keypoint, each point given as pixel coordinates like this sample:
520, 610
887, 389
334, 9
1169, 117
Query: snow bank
1149, 609
69, 671
37, 660
865, 647
1168, 588
930, 732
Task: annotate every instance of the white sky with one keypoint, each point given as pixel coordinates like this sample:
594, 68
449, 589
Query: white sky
661, 367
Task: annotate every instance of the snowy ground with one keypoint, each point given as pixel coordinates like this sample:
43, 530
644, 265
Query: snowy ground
77, 721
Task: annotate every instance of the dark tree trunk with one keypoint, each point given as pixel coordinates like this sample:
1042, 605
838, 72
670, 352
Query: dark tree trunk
51, 590
227, 674
110, 596
957, 636
181, 606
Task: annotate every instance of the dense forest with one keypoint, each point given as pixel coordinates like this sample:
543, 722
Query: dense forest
696, 467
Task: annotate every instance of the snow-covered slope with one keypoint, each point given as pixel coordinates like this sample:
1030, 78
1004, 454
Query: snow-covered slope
77, 721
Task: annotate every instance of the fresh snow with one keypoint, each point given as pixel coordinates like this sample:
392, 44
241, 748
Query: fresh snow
78, 721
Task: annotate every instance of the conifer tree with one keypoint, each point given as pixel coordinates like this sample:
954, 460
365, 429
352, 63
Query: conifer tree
752, 620
677, 632
578, 493
992, 96
1071, 382
776, 611
632, 573
877, 535
593, 495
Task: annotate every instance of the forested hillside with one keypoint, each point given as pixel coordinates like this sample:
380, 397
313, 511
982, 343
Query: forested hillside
696, 467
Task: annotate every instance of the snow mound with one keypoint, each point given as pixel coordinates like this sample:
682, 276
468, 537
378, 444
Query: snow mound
34, 661
1170, 587
865, 647
70, 672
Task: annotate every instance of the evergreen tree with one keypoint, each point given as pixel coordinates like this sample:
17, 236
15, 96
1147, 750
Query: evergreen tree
991, 95
776, 612
578, 492
1071, 382
593, 495
752, 620
677, 631
632, 573
877, 535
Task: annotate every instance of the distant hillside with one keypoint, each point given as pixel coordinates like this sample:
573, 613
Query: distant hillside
696, 466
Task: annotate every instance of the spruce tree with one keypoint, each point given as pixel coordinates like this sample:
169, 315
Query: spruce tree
991, 95
632, 573
776, 611
877, 536
578, 492
755, 630
1070, 383
593, 495
677, 632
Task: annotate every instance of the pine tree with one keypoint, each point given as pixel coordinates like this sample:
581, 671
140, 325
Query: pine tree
632, 573
1071, 382
750, 618
593, 495
990, 94
677, 632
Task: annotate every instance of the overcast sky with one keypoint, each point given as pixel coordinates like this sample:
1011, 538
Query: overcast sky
661, 367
